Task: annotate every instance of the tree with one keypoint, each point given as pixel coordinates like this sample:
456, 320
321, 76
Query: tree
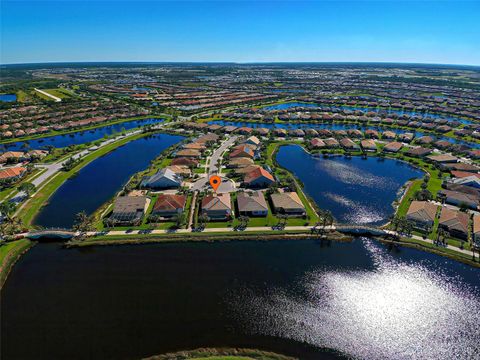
83, 223
28, 188
7, 208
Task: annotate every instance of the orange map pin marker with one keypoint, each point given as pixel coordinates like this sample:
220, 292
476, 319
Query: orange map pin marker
215, 181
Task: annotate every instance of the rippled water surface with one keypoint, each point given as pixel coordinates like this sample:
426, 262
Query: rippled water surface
305, 298
355, 190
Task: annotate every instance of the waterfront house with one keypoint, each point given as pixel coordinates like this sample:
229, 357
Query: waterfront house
189, 153
455, 222
389, 135
208, 138
393, 147
182, 161
214, 127
262, 131
129, 210
418, 152
311, 132
169, 205
195, 146
331, 143
373, 134
229, 129
217, 206
424, 140
252, 204
163, 179
317, 143
422, 214
348, 144
457, 198
288, 203
476, 228
258, 178
181, 170
280, 132
406, 137
368, 145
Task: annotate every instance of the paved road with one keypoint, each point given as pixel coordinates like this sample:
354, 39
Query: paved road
227, 185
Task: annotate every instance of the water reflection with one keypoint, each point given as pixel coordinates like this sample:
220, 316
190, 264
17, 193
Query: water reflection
399, 310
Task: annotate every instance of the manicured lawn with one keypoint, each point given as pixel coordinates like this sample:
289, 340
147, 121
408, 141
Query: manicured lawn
59, 92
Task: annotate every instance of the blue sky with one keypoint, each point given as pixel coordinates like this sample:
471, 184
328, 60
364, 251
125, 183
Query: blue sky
446, 32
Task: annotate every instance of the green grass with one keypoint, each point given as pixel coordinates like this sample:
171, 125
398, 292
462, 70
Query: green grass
59, 92
9, 253
34, 204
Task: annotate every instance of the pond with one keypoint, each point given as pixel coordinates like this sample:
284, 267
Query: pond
97, 182
336, 126
355, 190
8, 97
423, 114
79, 137
304, 298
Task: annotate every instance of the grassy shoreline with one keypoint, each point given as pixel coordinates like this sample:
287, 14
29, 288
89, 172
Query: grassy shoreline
37, 201
9, 255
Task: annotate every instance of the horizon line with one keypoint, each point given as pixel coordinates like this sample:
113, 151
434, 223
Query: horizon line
237, 63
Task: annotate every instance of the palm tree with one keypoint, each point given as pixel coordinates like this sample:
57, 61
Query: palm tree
7, 208
83, 223
28, 188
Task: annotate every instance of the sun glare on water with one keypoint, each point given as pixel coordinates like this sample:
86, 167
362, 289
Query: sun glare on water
397, 311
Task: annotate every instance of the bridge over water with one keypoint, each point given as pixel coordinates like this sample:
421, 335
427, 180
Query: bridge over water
50, 234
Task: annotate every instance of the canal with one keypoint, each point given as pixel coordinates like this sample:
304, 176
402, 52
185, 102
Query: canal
97, 182
423, 114
336, 126
355, 190
79, 137
305, 298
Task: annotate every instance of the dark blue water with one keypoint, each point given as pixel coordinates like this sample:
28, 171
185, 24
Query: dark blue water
337, 126
356, 190
8, 97
80, 137
101, 179
374, 109
293, 297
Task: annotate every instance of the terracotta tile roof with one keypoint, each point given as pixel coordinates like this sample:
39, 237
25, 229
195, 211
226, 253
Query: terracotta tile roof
11, 172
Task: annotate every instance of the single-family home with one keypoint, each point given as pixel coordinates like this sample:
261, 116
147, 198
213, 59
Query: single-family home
217, 206
163, 179
393, 147
169, 205
12, 174
422, 214
258, 178
459, 198
455, 222
288, 203
252, 204
129, 210
368, 145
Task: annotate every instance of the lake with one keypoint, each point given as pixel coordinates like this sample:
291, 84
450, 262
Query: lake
290, 105
81, 136
335, 126
297, 297
8, 97
98, 182
355, 190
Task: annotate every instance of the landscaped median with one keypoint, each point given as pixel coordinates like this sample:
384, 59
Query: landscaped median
10, 252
